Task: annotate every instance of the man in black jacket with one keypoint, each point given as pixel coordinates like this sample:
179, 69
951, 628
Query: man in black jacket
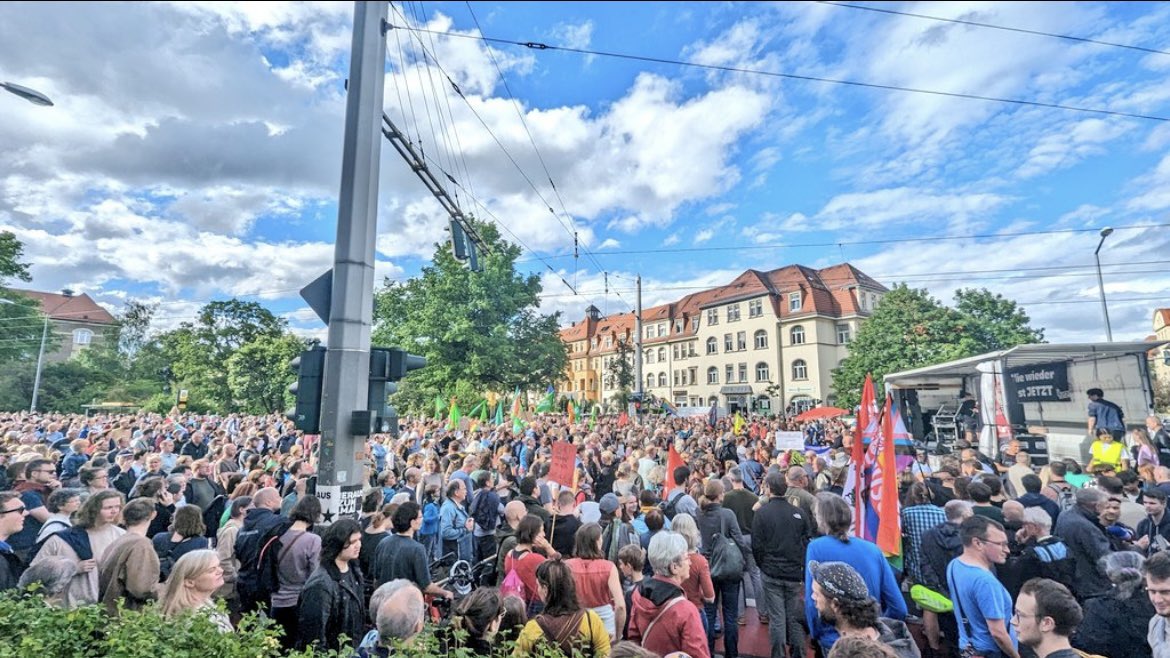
1086, 540
940, 545
12, 514
779, 539
1156, 525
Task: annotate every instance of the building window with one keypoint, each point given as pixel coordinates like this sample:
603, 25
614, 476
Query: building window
678, 326
733, 312
609, 341
692, 376
712, 316
661, 329
662, 379
741, 340
761, 338
755, 308
674, 350
676, 383
799, 370
712, 375
82, 337
694, 324
729, 373
661, 354
743, 372
794, 301
761, 372
712, 346
728, 346
650, 381
796, 334
843, 334
649, 356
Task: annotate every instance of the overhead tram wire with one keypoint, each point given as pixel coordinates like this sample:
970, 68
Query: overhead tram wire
536, 45
446, 136
991, 26
834, 243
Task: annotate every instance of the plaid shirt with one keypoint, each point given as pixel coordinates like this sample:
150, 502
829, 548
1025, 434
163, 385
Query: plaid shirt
916, 520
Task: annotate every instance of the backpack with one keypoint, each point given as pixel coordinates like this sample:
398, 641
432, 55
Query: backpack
1066, 498
671, 507
257, 552
487, 519
1056, 562
513, 585
430, 522
727, 453
167, 562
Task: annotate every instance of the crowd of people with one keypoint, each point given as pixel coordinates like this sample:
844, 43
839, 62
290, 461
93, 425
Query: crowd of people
217, 516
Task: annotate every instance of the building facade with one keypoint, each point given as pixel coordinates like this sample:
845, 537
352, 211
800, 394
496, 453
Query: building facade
766, 342
1160, 358
76, 321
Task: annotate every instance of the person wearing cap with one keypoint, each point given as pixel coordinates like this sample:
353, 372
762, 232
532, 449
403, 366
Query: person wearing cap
616, 528
841, 598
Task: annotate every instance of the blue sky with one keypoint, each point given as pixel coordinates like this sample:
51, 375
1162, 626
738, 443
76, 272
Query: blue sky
199, 159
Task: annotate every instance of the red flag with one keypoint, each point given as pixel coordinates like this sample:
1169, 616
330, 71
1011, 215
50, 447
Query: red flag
883, 488
673, 461
623, 419
865, 417
572, 414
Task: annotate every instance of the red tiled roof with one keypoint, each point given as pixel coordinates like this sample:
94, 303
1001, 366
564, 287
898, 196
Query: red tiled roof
71, 308
1165, 313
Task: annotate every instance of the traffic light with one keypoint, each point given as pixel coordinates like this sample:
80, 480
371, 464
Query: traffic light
310, 369
387, 366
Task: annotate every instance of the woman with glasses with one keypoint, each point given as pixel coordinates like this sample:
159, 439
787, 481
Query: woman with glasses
332, 603
93, 532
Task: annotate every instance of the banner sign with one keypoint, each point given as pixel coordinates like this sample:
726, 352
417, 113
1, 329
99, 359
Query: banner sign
789, 441
1040, 382
564, 461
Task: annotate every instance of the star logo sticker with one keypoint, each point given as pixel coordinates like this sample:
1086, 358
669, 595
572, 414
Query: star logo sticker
328, 516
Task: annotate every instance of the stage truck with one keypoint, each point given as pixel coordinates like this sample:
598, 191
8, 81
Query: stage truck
1033, 393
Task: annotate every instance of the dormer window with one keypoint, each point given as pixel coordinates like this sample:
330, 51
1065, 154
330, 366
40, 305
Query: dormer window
794, 302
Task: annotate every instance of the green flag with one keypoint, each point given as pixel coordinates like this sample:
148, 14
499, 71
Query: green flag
499, 419
455, 416
440, 408
483, 412
547, 404
475, 410
593, 418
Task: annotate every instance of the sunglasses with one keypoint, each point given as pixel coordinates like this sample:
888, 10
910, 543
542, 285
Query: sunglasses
18, 510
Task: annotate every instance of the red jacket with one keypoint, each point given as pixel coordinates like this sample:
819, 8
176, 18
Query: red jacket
678, 629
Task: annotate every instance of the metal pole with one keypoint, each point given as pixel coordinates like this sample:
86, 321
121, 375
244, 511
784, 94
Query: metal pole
638, 343
1101, 284
32, 408
347, 361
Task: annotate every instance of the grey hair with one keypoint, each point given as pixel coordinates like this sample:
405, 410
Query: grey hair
957, 510
384, 591
401, 622
735, 475
684, 524
666, 548
834, 517
1038, 516
1124, 570
52, 573
1089, 499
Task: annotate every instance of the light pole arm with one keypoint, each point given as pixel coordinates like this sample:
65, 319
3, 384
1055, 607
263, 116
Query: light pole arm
32, 408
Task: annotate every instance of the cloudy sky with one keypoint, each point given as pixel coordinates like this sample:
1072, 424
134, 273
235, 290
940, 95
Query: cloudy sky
194, 149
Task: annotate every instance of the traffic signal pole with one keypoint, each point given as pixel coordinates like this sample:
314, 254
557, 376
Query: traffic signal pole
347, 361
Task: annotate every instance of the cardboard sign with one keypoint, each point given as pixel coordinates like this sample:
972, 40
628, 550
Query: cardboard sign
564, 459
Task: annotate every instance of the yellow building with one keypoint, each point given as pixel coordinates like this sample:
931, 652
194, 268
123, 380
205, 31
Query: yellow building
1161, 356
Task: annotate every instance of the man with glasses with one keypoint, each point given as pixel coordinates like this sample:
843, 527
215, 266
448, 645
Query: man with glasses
12, 515
1046, 615
1157, 572
40, 481
982, 605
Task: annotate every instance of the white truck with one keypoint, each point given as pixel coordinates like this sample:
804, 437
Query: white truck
1035, 393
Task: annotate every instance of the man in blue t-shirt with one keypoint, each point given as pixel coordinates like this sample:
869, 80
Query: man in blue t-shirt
1104, 414
983, 607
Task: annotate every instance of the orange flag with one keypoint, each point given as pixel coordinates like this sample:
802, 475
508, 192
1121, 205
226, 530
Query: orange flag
673, 461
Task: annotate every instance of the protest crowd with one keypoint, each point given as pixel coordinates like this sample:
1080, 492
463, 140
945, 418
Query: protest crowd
667, 533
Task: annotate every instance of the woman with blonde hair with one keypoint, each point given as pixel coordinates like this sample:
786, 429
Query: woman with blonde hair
195, 578
697, 586
1145, 454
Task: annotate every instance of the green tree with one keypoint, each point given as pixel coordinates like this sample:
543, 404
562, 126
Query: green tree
259, 376
21, 320
479, 331
620, 372
911, 329
10, 252
994, 322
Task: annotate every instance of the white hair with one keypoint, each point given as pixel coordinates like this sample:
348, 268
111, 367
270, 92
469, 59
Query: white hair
1038, 516
666, 548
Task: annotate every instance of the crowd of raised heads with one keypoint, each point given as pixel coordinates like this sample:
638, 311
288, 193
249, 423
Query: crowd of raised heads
672, 536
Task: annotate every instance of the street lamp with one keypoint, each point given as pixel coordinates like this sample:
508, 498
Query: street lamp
40, 360
1105, 232
31, 95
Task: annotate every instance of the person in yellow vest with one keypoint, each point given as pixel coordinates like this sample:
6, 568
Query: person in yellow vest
1105, 451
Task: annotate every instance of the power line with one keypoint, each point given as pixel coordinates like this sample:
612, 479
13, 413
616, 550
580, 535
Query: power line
834, 243
536, 45
992, 26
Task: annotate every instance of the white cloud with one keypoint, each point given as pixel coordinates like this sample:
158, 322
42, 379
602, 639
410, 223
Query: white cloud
703, 236
609, 243
670, 240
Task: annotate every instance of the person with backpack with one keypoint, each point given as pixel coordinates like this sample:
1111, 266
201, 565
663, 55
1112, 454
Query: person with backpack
678, 501
62, 504
1059, 490
662, 620
1041, 554
296, 558
720, 535
521, 563
1080, 528
185, 535
85, 543
255, 544
563, 624
485, 511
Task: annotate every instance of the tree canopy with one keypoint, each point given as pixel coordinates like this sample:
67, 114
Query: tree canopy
479, 331
911, 329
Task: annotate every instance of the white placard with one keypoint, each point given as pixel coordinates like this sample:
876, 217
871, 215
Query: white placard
790, 441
